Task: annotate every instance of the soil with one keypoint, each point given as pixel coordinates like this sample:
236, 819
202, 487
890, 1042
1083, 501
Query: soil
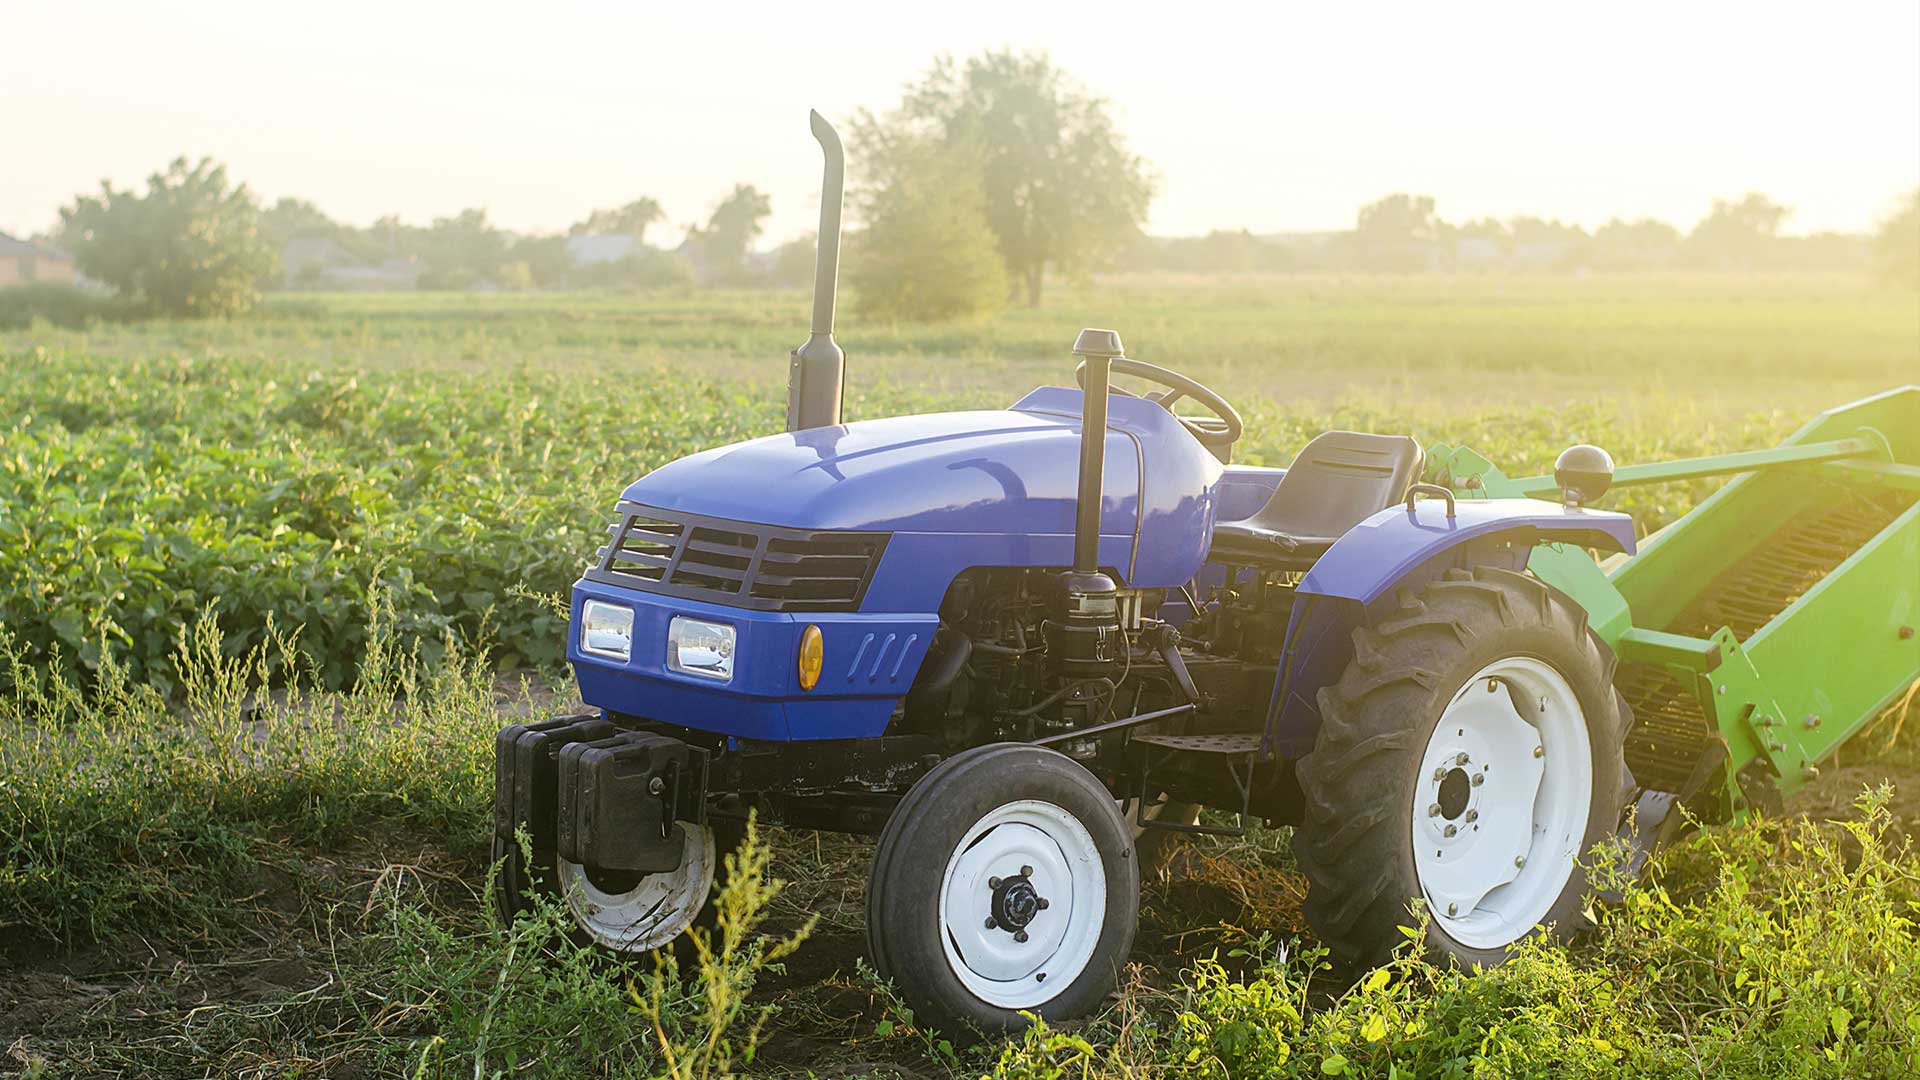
101, 1010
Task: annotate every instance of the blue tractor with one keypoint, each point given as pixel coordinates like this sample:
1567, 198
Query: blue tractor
1021, 645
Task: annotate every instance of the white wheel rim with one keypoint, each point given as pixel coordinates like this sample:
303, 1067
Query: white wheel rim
652, 912
1013, 858
1501, 801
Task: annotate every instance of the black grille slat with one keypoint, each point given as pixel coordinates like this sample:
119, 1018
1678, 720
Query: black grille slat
766, 567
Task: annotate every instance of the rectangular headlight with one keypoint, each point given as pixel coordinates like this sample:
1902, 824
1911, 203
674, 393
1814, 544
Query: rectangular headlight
698, 647
606, 630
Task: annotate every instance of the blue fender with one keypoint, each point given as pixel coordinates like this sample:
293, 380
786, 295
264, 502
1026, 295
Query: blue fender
1401, 547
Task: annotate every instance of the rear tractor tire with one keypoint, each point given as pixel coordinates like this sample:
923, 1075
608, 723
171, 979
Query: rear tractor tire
1470, 756
1005, 882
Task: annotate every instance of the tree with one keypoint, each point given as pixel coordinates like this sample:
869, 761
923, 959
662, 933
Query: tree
631, 220
792, 262
731, 231
545, 258
928, 251
1737, 233
1896, 246
289, 218
1399, 233
1634, 245
1059, 186
462, 250
190, 246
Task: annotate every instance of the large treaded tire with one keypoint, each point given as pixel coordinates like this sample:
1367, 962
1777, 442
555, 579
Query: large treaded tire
904, 931
1355, 843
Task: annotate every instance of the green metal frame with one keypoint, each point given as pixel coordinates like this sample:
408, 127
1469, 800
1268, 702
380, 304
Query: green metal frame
1819, 668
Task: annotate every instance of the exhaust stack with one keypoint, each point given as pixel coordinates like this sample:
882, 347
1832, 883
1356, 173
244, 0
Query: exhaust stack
816, 371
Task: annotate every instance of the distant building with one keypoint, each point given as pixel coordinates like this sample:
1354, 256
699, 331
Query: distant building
22, 261
320, 262
597, 248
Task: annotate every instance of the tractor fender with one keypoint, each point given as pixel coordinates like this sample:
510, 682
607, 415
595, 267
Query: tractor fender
1406, 546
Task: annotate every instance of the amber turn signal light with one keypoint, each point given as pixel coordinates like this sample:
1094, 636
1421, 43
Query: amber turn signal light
812, 655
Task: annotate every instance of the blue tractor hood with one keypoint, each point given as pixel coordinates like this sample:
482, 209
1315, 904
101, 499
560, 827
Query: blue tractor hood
1002, 470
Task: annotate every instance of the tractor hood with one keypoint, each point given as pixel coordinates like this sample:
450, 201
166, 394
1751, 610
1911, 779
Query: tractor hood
997, 471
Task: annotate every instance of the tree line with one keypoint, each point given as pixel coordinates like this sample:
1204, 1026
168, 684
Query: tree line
988, 177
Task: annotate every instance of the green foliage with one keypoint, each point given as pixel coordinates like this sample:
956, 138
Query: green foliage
633, 219
1736, 234
928, 252
730, 233
463, 251
57, 304
1061, 189
190, 246
650, 269
1896, 247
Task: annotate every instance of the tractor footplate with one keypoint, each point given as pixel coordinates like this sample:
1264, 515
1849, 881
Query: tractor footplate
1237, 753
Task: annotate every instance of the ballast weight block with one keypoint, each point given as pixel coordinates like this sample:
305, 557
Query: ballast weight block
525, 773
618, 798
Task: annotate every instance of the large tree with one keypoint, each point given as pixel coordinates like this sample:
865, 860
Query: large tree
1061, 189
190, 245
731, 231
927, 251
632, 219
462, 250
1737, 233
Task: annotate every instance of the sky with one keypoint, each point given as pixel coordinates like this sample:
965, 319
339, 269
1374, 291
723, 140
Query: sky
1276, 117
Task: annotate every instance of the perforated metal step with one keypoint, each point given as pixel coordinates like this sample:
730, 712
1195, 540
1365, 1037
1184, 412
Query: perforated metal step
1204, 744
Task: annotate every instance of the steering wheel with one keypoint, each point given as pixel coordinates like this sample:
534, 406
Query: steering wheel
1216, 432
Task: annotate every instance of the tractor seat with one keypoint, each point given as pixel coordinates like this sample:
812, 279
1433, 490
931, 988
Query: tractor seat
1338, 481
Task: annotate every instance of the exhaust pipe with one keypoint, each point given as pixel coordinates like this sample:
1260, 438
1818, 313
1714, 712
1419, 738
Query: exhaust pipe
1088, 643
816, 371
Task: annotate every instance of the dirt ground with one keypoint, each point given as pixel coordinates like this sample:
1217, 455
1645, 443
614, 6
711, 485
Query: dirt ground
137, 1005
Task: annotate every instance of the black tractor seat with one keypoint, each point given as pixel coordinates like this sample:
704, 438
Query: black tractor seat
1338, 481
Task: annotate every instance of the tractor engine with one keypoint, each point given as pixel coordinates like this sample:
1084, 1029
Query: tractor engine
1008, 665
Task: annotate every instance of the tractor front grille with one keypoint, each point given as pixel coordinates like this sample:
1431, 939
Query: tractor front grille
738, 563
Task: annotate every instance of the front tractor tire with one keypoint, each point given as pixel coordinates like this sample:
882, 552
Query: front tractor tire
622, 914
1004, 882
1470, 756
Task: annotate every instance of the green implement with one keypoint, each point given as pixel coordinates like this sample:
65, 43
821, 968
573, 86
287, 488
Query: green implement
1769, 624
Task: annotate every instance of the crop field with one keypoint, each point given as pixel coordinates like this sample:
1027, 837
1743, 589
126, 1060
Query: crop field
268, 586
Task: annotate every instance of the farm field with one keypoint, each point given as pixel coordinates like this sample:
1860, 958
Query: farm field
268, 586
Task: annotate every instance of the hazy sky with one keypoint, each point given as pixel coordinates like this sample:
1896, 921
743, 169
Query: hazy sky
1274, 117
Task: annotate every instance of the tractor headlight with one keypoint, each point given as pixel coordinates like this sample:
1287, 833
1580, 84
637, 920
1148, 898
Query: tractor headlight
606, 630
698, 647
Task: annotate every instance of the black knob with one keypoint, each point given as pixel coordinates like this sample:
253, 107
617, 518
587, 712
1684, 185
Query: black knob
1584, 473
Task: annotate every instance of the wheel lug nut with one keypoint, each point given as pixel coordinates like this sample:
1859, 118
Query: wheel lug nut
1462, 759
1473, 815
991, 925
1479, 778
1041, 904
1020, 936
1026, 871
1452, 829
1439, 775
993, 883
1434, 810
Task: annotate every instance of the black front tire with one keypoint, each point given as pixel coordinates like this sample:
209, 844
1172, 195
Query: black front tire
921, 842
